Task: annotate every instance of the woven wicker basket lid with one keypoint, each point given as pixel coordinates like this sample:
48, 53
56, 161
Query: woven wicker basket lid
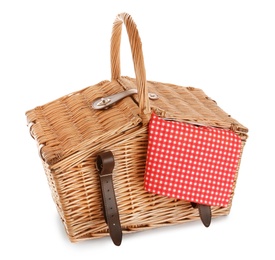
69, 124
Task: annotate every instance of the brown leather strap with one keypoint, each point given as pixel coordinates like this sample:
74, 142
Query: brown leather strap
204, 212
105, 164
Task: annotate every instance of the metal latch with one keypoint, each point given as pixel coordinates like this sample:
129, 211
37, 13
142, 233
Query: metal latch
105, 102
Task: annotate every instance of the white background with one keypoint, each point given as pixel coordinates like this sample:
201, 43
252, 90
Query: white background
51, 48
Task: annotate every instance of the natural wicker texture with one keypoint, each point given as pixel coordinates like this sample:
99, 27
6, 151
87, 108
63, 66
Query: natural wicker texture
70, 134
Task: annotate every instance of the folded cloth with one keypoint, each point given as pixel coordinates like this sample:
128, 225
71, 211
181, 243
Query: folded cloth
191, 162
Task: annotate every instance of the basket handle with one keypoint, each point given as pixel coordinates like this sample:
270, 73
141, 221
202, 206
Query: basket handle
137, 56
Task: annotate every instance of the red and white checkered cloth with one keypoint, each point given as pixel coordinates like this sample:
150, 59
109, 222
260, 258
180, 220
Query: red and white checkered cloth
194, 163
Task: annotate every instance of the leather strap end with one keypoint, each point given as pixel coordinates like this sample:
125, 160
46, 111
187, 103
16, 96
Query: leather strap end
105, 164
204, 212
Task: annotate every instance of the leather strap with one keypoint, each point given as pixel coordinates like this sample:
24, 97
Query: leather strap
204, 212
105, 163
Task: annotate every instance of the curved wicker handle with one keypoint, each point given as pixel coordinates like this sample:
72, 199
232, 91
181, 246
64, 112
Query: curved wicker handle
137, 56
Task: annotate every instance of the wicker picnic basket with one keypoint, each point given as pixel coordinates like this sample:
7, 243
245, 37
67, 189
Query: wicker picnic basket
70, 133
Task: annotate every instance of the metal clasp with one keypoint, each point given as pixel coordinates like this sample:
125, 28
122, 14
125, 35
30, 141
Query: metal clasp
106, 102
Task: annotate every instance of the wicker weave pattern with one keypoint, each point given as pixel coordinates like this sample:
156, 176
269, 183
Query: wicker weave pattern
70, 134
65, 124
189, 104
